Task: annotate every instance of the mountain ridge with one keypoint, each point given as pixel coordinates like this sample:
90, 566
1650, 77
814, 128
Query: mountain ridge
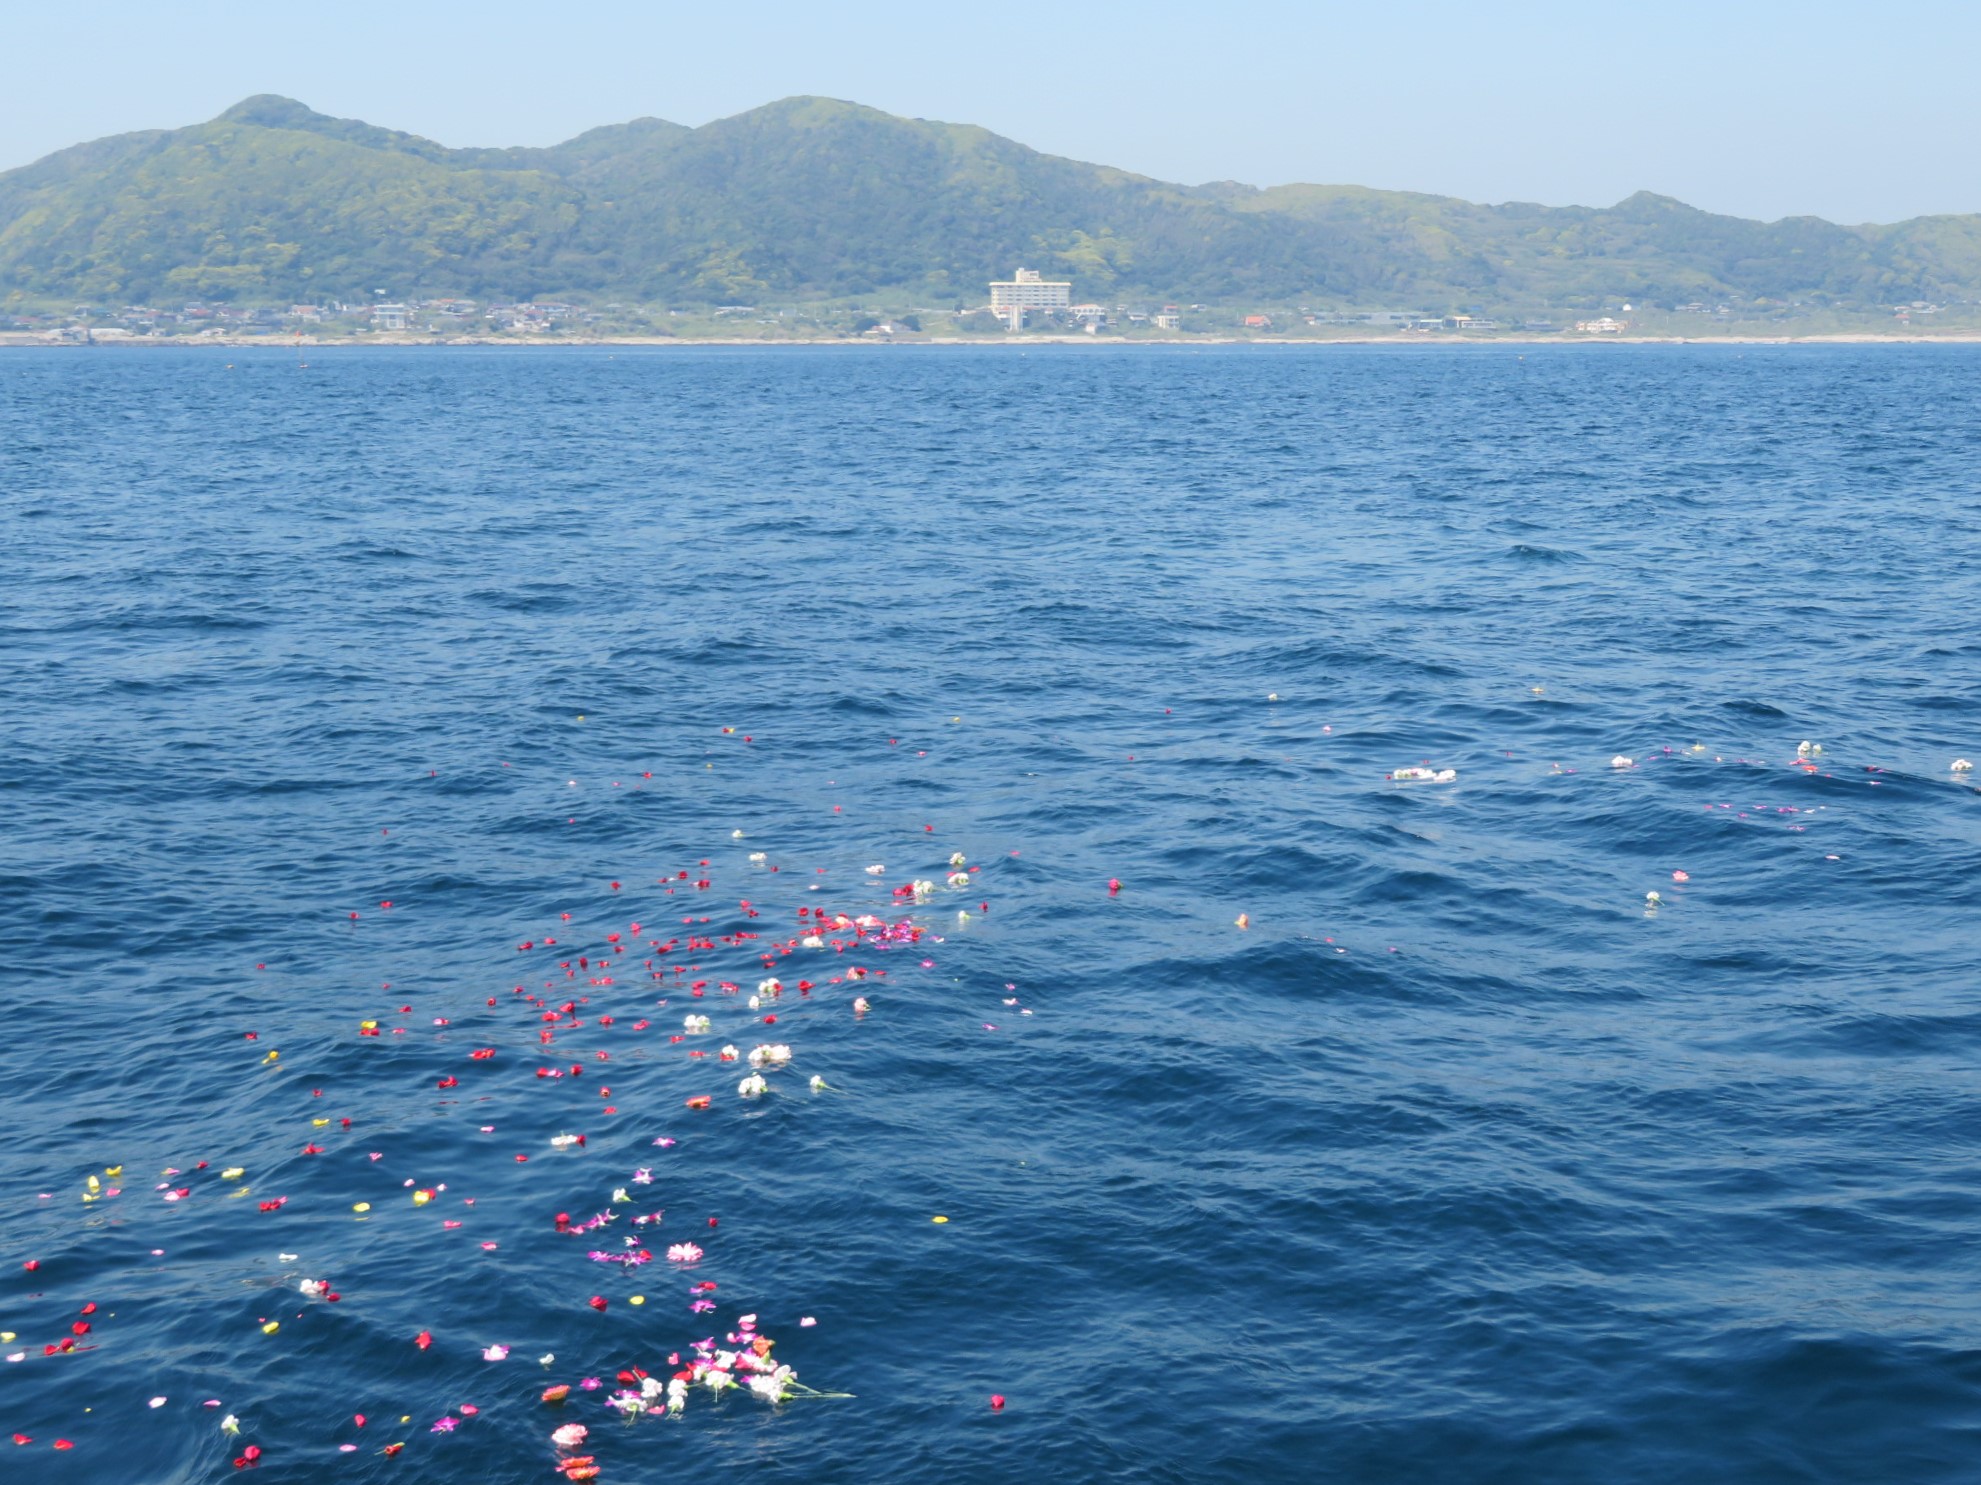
824, 199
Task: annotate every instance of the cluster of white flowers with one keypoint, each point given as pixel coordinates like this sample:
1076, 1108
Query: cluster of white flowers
694, 1023
811, 941
959, 879
563, 1141
753, 1086
1425, 775
772, 1054
652, 1397
922, 889
758, 858
958, 859
748, 1366
770, 987
314, 1287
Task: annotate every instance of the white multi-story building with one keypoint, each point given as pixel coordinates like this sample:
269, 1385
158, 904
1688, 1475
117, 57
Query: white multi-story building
1028, 289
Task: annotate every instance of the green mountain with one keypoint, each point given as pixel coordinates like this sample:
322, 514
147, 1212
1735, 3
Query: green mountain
815, 199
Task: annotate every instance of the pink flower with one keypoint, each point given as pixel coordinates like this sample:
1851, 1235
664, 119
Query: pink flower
495, 1353
684, 1253
569, 1436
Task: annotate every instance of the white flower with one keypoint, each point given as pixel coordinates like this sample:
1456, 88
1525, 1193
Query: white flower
313, 1287
1961, 765
758, 857
811, 941
694, 1023
230, 1424
756, 1004
729, 1054
818, 1083
547, 1358
876, 870
752, 1086
770, 987
563, 1141
959, 879
1619, 761
774, 1053
619, 1195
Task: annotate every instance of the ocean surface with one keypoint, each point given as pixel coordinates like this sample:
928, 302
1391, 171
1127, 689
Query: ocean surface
354, 711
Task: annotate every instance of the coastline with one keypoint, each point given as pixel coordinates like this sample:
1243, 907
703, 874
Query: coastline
30, 341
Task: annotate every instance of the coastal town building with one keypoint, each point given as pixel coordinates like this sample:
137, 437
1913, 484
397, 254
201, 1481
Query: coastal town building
388, 317
1169, 319
1027, 289
1604, 326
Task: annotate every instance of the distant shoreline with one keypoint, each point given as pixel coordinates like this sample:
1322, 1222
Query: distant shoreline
266, 343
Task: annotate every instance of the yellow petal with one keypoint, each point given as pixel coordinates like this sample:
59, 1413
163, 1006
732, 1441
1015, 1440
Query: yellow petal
638, 1299
233, 1173
113, 1170
271, 1327
363, 1206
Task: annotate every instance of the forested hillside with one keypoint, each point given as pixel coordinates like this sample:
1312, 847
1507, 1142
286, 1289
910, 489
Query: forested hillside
815, 199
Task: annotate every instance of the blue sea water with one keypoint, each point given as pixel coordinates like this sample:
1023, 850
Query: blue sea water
1460, 1162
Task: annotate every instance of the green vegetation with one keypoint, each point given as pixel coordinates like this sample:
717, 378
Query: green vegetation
815, 201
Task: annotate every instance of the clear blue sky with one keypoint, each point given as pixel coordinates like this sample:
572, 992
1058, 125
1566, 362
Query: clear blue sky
1856, 112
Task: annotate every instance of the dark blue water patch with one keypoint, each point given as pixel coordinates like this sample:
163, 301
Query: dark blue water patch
1460, 1159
